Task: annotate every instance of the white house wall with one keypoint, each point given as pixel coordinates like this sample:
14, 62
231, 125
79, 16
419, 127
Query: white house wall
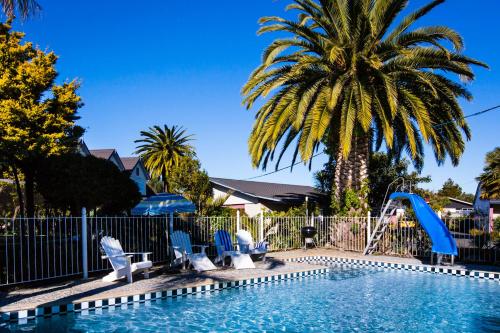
251, 205
233, 199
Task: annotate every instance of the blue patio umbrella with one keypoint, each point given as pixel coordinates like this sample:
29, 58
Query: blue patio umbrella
163, 204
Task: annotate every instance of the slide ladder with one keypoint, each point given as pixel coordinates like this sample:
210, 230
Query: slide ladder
442, 240
382, 223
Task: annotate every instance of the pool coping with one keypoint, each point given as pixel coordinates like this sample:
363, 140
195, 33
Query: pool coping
26, 315
327, 260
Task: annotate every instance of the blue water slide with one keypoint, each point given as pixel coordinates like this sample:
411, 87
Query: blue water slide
442, 240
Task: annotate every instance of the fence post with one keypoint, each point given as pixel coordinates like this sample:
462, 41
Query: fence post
368, 228
84, 244
261, 226
237, 220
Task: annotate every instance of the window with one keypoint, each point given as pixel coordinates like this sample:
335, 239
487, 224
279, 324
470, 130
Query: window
137, 171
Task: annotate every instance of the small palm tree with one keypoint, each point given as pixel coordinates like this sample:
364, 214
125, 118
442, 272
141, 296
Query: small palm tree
25, 8
349, 74
162, 148
490, 178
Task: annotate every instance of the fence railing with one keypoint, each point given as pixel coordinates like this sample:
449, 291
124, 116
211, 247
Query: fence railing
46, 248
40, 249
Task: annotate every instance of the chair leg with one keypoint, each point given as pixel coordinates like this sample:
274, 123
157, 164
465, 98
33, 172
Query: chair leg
129, 270
146, 274
129, 276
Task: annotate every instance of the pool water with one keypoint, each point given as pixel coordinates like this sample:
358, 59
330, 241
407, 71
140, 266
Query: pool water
349, 299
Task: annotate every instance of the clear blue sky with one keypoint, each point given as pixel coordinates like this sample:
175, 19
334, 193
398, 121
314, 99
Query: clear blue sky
183, 62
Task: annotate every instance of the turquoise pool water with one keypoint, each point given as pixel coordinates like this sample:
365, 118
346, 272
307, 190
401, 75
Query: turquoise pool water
350, 299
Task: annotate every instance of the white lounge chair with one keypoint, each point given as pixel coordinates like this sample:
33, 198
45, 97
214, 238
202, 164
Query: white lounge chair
246, 245
121, 261
183, 250
225, 249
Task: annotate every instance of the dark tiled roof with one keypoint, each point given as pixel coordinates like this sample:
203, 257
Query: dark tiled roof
269, 191
129, 162
458, 204
102, 153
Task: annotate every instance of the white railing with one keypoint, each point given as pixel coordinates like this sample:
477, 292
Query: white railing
34, 249
46, 248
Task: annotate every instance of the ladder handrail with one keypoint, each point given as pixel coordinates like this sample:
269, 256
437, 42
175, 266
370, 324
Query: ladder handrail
387, 191
377, 226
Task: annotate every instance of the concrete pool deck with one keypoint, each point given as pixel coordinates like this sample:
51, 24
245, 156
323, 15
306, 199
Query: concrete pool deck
79, 291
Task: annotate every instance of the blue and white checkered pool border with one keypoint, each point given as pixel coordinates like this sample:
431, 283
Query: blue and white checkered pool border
23, 316
326, 260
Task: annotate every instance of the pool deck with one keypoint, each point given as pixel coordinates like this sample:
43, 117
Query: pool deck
161, 279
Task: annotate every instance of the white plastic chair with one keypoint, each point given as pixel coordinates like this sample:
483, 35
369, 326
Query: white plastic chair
122, 261
225, 249
246, 245
183, 250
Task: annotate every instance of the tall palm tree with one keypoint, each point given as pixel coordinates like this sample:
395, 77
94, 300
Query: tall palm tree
490, 178
24, 8
345, 78
162, 148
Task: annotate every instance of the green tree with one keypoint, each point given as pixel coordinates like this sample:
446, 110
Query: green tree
453, 190
37, 116
188, 179
95, 183
490, 177
24, 8
384, 170
162, 148
352, 73
450, 189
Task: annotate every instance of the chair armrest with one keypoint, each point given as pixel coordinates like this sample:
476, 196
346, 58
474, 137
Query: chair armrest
202, 247
116, 256
144, 254
196, 245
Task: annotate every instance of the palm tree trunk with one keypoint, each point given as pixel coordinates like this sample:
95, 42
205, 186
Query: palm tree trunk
352, 173
166, 188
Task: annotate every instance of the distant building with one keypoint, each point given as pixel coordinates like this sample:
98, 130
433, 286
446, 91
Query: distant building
253, 197
109, 155
457, 208
486, 207
133, 166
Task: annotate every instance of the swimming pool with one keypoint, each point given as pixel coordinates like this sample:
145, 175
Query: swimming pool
348, 299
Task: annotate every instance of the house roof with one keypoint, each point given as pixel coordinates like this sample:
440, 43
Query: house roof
269, 191
102, 153
129, 163
107, 154
458, 204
